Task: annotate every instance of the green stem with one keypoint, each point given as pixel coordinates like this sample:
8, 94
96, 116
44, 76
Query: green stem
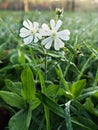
47, 117
46, 110
45, 65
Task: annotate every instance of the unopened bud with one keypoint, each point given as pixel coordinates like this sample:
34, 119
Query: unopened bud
59, 12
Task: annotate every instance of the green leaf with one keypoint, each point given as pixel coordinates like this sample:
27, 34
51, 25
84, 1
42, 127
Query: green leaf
78, 87
87, 94
89, 105
85, 123
41, 78
84, 67
95, 80
13, 86
79, 109
21, 120
51, 104
21, 57
62, 79
34, 104
43, 89
12, 99
95, 96
91, 48
56, 54
52, 90
63, 92
28, 87
14, 58
72, 50
74, 68
68, 117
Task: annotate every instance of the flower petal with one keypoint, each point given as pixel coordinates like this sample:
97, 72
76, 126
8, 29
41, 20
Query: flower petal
45, 31
30, 23
49, 44
28, 40
67, 32
61, 43
58, 44
27, 23
46, 40
24, 32
45, 26
35, 39
58, 24
64, 35
52, 24
36, 25
38, 35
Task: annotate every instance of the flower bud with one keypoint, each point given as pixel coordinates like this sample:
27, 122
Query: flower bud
59, 12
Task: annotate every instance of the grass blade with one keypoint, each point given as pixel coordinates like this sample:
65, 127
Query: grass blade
67, 114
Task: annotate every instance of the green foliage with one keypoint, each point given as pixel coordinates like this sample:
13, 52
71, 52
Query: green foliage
13, 86
28, 86
68, 117
12, 99
85, 123
20, 120
59, 93
89, 105
23, 101
34, 104
77, 88
51, 104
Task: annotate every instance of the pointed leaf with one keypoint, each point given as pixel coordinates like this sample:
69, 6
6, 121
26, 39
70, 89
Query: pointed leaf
78, 87
13, 86
21, 57
89, 105
68, 117
28, 88
34, 104
87, 94
85, 123
63, 92
52, 90
41, 78
61, 76
20, 121
12, 99
51, 104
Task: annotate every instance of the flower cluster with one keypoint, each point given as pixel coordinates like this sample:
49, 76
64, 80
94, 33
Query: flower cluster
47, 35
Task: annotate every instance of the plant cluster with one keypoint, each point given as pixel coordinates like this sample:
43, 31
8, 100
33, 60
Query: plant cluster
54, 88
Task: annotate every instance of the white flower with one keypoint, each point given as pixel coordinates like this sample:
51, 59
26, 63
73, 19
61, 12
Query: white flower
53, 36
30, 32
